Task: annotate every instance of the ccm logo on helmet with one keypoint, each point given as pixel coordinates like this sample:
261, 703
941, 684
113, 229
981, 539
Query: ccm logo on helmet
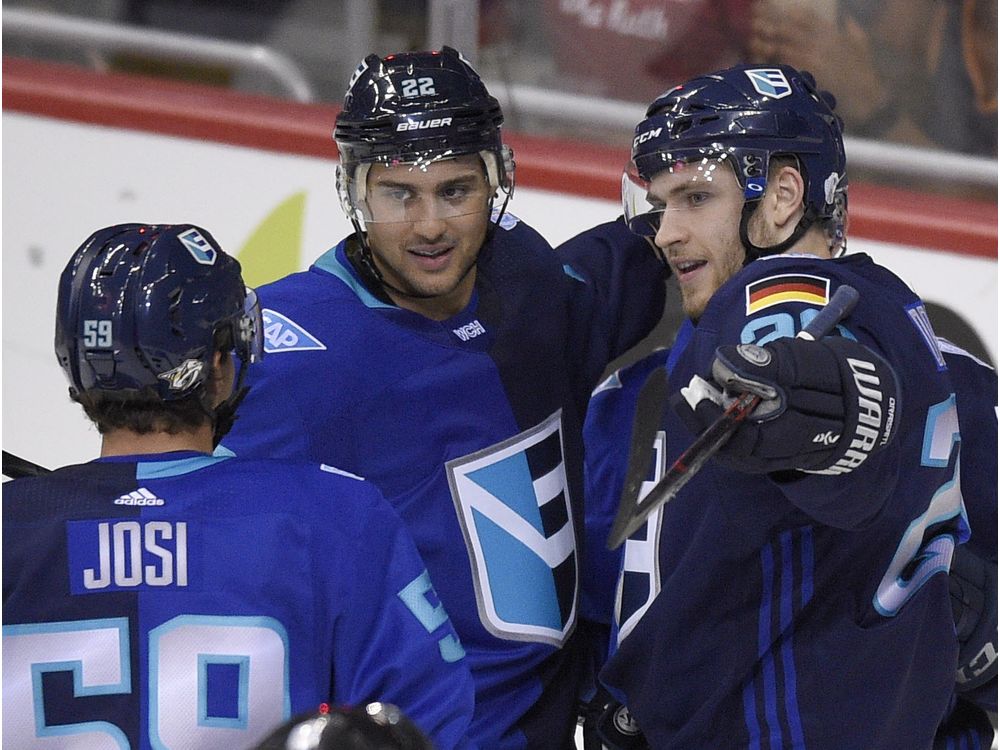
643, 137
439, 122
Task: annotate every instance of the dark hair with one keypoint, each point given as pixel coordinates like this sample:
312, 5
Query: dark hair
144, 411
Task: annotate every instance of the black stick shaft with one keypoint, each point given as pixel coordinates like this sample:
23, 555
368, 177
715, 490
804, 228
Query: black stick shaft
16, 467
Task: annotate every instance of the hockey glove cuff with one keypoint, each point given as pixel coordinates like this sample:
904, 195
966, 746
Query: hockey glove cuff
825, 405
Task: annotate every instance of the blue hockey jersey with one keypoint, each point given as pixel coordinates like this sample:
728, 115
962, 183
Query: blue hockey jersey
812, 613
188, 601
471, 427
975, 385
976, 393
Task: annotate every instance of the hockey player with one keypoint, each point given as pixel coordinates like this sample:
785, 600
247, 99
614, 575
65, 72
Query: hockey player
972, 577
795, 592
163, 596
445, 352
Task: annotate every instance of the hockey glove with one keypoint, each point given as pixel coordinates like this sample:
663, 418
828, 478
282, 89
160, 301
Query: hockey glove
825, 405
973, 584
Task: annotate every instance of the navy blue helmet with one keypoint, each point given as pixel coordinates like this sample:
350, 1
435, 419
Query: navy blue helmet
377, 726
144, 306
416, 108
745, 115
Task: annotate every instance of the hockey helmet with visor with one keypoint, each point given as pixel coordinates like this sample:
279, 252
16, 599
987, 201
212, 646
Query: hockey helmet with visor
742, 116
414, 109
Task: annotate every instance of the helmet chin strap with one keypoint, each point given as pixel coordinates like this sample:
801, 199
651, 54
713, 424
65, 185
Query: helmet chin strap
753, 252
365, 263
223, 416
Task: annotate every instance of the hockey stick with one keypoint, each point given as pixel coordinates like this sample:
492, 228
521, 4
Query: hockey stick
16, 467
633, 510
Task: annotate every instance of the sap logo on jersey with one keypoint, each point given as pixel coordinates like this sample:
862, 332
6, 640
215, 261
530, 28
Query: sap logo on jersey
130, 554
284, 335
513, 504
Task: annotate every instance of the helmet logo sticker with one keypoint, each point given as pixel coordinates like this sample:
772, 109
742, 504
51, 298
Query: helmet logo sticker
198, 246
770, 82
185, 375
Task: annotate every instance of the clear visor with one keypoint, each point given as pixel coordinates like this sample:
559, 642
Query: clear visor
681, 182
250, 333
433, 188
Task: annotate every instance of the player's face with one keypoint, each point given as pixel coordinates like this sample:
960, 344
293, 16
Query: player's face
426, 228
699, 231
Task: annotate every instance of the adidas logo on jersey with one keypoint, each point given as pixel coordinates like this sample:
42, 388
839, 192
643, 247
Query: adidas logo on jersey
141, 496
469, 330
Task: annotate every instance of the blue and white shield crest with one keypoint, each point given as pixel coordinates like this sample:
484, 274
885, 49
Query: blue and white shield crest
513, 504
200, 248
770, 82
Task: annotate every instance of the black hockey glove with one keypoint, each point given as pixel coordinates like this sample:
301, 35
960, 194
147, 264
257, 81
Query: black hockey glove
973, 584
825, 405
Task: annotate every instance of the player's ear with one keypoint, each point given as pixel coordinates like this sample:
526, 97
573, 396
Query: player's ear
784, 197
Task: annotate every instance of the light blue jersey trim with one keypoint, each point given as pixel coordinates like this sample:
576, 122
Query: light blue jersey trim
332, 264
163, 469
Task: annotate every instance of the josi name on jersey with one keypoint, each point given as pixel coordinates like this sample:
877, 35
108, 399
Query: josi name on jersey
129, 554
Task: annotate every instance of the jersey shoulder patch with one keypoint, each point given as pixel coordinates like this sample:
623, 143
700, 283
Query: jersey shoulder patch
786, 287
282, 334
508, 221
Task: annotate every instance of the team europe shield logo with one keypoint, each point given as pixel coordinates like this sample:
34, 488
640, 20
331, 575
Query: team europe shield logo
513, 505
770, 82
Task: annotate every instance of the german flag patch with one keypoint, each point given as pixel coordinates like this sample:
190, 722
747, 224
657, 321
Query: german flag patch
789, 287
